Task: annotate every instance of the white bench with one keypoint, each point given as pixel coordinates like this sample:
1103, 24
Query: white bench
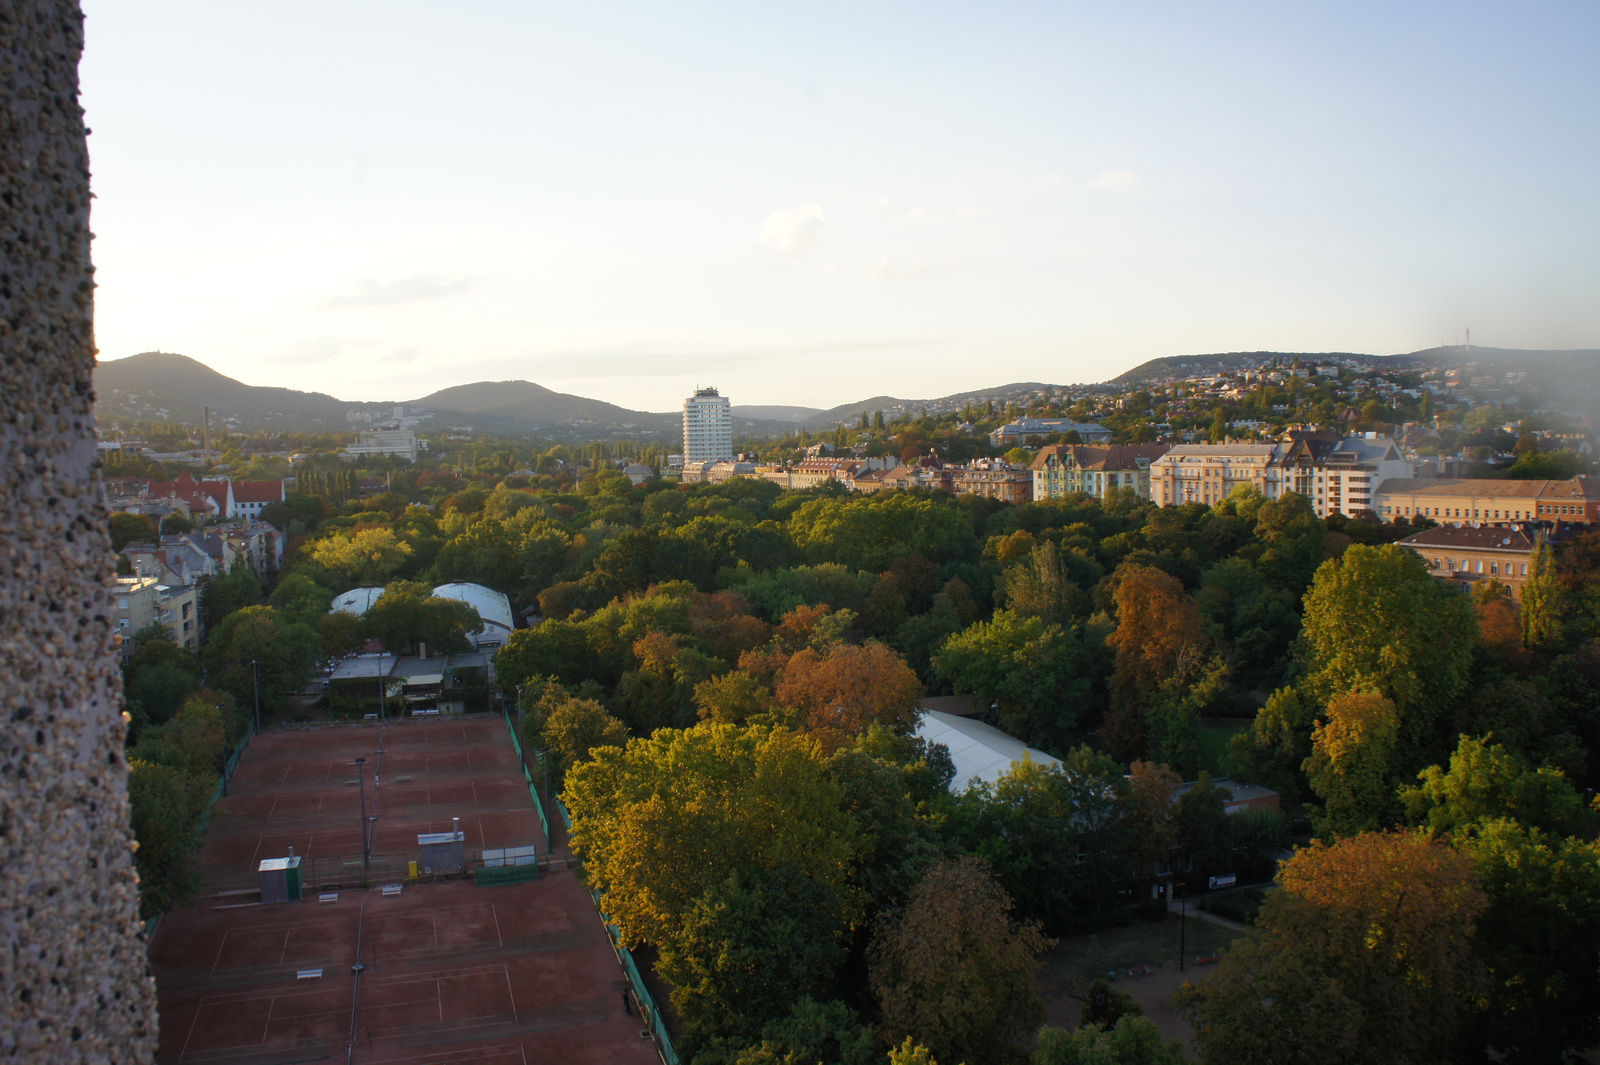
391, 889
332, 896
308, 974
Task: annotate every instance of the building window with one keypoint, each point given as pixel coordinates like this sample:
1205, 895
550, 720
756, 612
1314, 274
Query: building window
1524, 569
1494, 567
1480, 565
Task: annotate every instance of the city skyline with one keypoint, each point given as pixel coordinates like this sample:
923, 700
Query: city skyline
610, 200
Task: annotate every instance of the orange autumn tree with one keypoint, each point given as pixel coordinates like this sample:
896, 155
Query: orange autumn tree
1159, 631
1364, 955
848, 688
1350, 768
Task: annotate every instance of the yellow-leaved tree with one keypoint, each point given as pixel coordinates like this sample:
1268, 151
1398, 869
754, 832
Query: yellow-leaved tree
664, 819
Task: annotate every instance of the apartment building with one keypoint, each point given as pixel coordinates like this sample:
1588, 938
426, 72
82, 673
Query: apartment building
1574, 502
1338, 475
401, 443
1206, 473
994, 479
1061, 469
1467, 554
138, 607
707, 427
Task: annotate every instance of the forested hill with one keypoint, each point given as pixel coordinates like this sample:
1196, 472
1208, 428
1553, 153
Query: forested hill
1170, 366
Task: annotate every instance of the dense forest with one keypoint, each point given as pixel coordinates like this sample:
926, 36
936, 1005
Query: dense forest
727, 678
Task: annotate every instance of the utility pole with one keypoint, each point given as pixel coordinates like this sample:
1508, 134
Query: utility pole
366, 847
255, 673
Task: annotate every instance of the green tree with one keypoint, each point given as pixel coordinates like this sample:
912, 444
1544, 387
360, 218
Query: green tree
573, 730
1377, 621
1487, 782
1542, 601
128, 528
1160, 633
1042, 587
812, 1032
363, 557
661, 820
1539, 938
408, 614
1043, 676
221, 596
749, 947
1351, 764
1365, 954
285, 655
1202, 825
1130, 1041
954, 971
165, 808
735, 698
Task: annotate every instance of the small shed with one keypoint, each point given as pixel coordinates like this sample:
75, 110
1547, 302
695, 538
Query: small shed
280, 879
442, 853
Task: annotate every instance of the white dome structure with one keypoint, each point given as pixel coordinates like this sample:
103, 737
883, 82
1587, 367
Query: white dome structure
492, 606
356, 601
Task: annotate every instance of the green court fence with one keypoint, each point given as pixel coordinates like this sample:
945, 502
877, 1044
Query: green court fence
641, 993
490, 876
538, 803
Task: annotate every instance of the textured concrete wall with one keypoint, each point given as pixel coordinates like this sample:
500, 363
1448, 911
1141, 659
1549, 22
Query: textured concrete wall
72, 965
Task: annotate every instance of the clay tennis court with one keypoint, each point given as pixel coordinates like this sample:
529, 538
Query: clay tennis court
452, 972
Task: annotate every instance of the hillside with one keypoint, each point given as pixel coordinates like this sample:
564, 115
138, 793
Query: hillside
160, 386
531, 407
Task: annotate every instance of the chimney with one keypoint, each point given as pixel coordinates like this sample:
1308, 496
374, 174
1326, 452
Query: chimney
455, 826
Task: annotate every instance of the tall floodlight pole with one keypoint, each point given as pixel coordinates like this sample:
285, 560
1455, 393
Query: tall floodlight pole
1183, 931
255, 673
366, 850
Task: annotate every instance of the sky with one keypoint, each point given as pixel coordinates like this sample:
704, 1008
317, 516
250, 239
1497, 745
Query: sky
816, 203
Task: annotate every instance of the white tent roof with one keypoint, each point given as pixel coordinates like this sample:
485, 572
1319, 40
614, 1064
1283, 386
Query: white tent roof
980, 752
492, 606
356, 601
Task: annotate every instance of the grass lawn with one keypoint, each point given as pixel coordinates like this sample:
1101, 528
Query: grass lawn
1215, 732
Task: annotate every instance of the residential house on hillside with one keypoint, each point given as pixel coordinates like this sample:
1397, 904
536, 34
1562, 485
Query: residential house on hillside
138, 607
1019, 431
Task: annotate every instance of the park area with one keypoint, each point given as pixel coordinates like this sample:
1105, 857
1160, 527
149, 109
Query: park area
449, 971
1140, 959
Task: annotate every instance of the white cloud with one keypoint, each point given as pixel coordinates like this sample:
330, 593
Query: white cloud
306, 352
885, 268
410, 288
1114, 179
914, 217
793, 232
401, 355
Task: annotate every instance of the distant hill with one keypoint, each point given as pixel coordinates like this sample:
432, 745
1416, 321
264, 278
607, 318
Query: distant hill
1184, 365
774, 413
531, 406
160, 386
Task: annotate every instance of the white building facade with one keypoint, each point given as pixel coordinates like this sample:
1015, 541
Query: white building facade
707, 427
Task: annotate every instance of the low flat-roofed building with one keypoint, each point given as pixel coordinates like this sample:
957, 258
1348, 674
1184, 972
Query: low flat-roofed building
1243, 796
1575, 501
1467, 554
979, 751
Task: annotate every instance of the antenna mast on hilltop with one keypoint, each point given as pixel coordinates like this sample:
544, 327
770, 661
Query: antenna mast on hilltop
1469, 338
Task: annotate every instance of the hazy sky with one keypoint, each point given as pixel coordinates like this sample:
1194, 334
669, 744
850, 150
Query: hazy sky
815, 203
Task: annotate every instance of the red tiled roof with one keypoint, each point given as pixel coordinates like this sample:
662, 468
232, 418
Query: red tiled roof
257, 491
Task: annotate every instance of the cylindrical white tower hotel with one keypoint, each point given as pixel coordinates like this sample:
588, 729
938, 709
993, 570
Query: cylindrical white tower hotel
707, 427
